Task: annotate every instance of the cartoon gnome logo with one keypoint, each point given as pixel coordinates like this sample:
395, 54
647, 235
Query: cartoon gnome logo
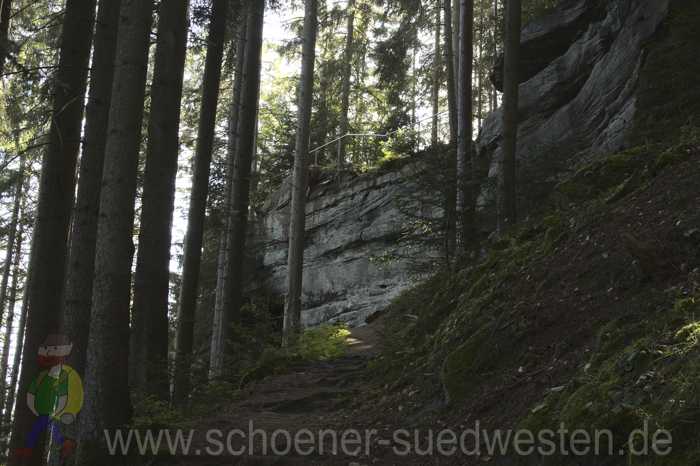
55, 396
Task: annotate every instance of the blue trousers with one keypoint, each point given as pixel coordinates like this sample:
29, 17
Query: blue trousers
40, 426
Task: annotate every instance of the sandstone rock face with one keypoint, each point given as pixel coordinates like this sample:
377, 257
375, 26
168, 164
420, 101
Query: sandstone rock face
358, 254
580, 68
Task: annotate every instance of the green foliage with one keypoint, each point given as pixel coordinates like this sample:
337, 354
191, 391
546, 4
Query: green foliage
152, 413
322, 343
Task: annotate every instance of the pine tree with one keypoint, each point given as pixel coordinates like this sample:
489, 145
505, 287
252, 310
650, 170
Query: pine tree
216, 356
56, 191
507, 212
78, 292
198, 198
241, 174
150, 328
295, 259
107, 404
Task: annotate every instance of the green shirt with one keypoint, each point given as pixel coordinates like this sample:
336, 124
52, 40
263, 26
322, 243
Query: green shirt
47, 391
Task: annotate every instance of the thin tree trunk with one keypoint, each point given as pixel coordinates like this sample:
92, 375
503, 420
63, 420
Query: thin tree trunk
451, 191
11, 238
345, 88
495, 50
295, 258
56, 193
78, 293
450, 62
150, 328
216, 353
478, 63
5, 13
19, 347
464, 147
456, 18
240, 195
12, 301
107, 405
507, 211
198, 199
437, 73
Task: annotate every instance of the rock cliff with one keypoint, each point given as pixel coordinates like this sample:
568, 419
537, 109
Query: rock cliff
580, 69
580, 66
359, 252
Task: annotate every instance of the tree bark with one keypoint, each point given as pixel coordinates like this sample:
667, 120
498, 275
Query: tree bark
240, 194
56, 191
198, 200
5, 13
78, 292
345, 86
507, 211
107, 405
216, 353
464, 146
295, 258
150, 326
437, 73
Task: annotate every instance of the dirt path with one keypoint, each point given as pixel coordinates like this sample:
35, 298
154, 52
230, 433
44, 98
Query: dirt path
308, 397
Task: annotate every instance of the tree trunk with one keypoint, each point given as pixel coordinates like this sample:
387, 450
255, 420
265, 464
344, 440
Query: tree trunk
479, 81
5, 13
11, 238
437, 73
78, 293
451, 191
107, 405
456, 18
295, 258
198, 199
17, 263
240, 194
216, 353
56, 192
507, 212
19, 346
494, 91
149, 340
450, 62
345, 89
465, 224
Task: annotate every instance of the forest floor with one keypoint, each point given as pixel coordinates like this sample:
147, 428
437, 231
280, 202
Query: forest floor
587, 316
310, 396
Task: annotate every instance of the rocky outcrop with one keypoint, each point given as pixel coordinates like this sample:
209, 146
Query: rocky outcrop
580, 68
359, 252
